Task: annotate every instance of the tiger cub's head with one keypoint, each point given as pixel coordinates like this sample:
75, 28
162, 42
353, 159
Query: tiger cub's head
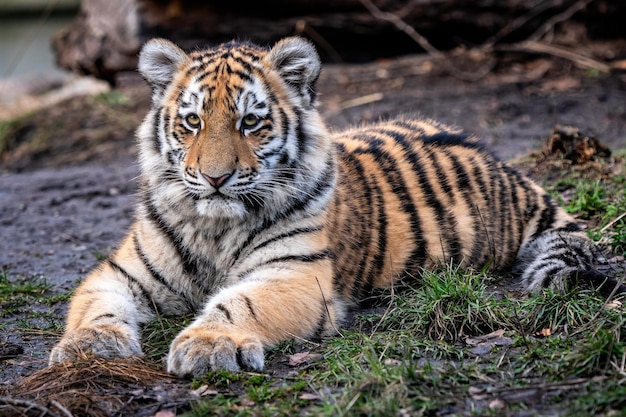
234, 128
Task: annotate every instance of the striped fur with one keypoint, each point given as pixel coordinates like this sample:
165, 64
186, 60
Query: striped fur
256, 218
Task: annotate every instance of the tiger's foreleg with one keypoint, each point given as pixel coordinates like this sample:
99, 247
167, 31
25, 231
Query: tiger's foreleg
239, 322
105, 315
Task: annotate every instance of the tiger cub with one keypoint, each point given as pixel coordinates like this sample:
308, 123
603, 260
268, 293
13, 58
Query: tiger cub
268, 227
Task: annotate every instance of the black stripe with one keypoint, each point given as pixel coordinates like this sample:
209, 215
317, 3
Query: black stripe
446, 219
189, 266
547, 216
284, 121
302, 138
470, 195
132, 281
223, 309
103, 316
569, 227
156, 123
505, 217
547, 279
315, 190
313, 257
243, 75
389, 165
379, 257
321, 326
480, 252
246, 65
420, 253
447, 139
291, 233
156, 275
250, 307
517, 214
364, 232
363, 284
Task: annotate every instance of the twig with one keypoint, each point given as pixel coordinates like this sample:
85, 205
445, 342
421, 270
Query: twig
532, 43
403, 26
612, 222
550, 23
423, 42
64, 410
517, 23
544, 48
330, 318
28, 405
302, 339
547, 386
302, 27
359, 101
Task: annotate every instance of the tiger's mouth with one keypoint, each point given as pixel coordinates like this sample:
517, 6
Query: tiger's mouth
214, 195
219, 205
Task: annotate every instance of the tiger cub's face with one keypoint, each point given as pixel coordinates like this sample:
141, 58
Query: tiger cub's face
229, 120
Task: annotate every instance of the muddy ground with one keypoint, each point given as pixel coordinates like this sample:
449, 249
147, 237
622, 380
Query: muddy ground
67, 184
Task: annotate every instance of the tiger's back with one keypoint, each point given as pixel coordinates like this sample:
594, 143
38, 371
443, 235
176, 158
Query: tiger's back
414, 193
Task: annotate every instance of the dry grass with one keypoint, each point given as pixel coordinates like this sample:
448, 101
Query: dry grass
95, 388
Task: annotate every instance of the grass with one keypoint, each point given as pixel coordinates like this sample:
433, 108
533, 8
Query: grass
452, 342
15, 296
600, 202
8, 129
27, 299
550, 352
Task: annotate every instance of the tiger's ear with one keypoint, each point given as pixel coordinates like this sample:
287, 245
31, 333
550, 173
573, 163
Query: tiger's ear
297, 61
158, 62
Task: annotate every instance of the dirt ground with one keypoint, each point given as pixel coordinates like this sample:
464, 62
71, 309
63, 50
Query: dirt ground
66, 201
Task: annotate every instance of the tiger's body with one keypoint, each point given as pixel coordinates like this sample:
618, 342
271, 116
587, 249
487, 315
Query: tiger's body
254, 217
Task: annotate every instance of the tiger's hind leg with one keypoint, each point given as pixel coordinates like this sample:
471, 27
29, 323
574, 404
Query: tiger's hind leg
561, 260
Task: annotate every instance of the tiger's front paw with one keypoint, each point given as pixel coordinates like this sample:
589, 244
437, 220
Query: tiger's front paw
102, 341
195, 351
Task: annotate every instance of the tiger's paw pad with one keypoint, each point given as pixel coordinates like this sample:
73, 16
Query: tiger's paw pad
194, 353
103, 342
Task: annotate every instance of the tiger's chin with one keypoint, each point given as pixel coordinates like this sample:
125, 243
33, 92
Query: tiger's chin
220, 208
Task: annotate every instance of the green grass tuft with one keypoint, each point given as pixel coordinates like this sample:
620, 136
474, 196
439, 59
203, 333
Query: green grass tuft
600, 202
412, 355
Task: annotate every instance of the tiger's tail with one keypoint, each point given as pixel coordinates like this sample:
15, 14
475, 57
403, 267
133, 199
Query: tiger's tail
562, 260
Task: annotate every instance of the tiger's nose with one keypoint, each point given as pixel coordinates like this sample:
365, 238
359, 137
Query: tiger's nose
217, 182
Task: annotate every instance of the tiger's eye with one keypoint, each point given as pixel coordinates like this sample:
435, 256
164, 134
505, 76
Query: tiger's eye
250, 120
193, 120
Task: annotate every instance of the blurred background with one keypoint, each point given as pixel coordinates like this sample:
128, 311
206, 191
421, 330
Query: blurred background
26, 28
508, 70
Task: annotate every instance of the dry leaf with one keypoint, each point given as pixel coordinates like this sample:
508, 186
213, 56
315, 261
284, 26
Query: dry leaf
496, 404
619, 65
301, 358
309, 396
561, 84
544, 332
203, 391
165, 414
473, 341
477, 393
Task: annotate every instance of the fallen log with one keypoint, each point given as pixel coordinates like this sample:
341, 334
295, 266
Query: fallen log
106, 35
